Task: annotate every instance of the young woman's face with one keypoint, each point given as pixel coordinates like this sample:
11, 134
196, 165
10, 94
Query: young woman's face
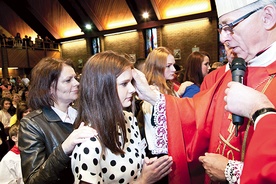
16, 98
125, 88
67, 86
205, 66
6, 105
169, 70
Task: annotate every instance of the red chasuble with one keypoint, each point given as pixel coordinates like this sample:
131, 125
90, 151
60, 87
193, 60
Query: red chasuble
260, 159
201, 124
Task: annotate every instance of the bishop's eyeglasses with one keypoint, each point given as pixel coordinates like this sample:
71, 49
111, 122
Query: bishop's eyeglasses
229, 27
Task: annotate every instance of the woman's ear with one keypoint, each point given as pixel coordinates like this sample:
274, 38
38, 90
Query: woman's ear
269, 17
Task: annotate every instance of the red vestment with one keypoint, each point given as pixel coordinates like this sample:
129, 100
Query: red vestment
260, 159
201, 124
210, 79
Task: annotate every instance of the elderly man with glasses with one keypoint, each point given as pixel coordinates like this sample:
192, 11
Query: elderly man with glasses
201, 135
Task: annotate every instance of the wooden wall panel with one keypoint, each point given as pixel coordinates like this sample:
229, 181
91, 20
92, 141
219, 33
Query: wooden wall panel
17, 58
53, 54
23, 58
35, 56
12, 23
0, 59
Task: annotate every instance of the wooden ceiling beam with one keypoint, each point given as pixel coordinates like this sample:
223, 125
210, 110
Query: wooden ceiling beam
24, 10
138, 7
78, 14
98, 26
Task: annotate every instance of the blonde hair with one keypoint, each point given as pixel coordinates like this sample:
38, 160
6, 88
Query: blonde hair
154, 69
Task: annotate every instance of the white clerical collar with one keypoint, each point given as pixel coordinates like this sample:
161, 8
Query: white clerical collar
265, 58
71, 112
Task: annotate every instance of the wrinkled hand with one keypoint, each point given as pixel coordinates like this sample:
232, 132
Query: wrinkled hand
77, 136
243, 100
183, 86
142, 87
214, 165
155, 169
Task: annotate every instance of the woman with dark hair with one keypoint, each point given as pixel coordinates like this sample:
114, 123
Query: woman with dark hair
5, 116
196, 68
46, 135
116, 155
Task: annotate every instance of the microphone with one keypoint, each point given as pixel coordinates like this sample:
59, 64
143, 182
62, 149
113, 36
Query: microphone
238, 68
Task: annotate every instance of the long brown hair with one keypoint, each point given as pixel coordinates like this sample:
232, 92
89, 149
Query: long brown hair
193, 68
45, 74
99, 105
154, 69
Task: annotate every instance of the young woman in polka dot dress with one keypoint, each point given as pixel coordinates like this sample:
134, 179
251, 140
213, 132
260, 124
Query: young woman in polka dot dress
117, 154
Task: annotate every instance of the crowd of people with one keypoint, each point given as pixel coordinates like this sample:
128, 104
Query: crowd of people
67, 131
27, 42
14, 95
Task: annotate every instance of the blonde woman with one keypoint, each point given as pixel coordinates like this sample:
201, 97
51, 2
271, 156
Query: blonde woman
159, 71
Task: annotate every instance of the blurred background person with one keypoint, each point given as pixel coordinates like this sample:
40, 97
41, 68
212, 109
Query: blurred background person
197, 66
4, 114
10, 165
215, 66
21, 111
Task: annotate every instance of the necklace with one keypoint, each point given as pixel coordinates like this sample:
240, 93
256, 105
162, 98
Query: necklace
269, 80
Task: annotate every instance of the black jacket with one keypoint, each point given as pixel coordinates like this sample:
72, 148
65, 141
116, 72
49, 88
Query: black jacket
42, 158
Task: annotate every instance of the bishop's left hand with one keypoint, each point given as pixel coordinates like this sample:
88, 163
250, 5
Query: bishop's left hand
214, 165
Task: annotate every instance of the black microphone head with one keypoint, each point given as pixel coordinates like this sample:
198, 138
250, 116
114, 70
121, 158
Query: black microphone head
238, 64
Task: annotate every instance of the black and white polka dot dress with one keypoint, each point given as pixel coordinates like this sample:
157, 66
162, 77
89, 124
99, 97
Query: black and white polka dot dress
89, 164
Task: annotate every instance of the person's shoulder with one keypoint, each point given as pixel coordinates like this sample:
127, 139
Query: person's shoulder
214, 76
130, 119
91, 144
191, 91
10, 158
193, 87
128, 114
32, 115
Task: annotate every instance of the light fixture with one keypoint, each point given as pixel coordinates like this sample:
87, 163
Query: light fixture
71, 41
122, 32
11, 68
88, 26
145, 15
